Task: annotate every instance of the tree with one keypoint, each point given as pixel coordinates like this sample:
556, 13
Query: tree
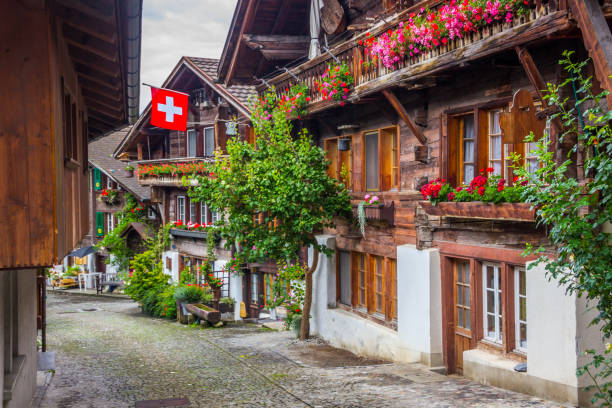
284, 180
576, 211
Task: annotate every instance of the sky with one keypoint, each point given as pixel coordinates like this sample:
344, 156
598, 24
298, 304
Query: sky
173, 28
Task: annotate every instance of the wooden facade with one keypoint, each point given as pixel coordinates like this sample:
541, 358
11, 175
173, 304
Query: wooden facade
435, 115
48, 114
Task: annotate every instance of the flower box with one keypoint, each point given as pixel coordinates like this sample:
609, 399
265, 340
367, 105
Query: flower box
378, 212
478, 209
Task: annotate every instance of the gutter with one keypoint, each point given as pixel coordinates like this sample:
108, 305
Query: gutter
133, 54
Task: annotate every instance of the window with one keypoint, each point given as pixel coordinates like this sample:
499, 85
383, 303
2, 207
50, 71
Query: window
110, 222
371, 161
495, 143
378, 284
192, 211
492, 302
462, 294
191, 143
224, 276
254, 288
520, 311
344, 280
367, 283
467, 163
209, 141
203, 213
150, 213
109, 183
180, 208
340, 166
215, 216
362, 273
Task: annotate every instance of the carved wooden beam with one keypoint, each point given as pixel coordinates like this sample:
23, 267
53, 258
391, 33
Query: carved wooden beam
397, 105
278, 47
537, 81
596, 37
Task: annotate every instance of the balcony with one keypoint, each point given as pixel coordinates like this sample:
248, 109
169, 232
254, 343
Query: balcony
371, 76
170, 172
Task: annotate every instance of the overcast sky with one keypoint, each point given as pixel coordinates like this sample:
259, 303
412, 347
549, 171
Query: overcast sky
171, 29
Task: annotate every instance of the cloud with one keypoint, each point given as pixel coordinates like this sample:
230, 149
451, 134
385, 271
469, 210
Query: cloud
172, 29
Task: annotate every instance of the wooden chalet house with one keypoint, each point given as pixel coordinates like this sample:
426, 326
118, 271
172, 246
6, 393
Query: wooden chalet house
446, 285
216, 113
70, 71
108, 185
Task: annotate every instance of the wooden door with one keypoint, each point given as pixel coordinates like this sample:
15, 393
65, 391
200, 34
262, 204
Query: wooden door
462, 311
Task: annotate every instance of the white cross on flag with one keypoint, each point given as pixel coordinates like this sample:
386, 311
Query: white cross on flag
169, 109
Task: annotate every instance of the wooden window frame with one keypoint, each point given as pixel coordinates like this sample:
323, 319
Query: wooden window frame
517, 311
508, 262
358, 165
203, 213
498, 312
338, 159
204, 152
193, 211
178, 208
386, 316
194, 133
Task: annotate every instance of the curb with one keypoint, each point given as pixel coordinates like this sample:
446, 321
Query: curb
92, 295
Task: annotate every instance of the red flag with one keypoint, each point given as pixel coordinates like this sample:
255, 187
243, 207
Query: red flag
169, 109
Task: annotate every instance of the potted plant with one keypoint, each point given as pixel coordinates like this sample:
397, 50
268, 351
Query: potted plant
110, 197
293, 321
189, 294
215, 285
226, 305
129, 170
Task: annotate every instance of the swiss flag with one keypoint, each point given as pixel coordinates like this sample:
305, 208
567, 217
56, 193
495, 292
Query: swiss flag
169, 109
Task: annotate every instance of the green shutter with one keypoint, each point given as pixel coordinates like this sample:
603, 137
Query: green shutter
99, 224
97, 179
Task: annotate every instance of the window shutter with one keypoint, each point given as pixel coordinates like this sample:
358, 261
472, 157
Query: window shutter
99, 223
97, 179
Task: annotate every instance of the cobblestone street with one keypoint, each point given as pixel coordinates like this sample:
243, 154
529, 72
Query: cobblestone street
111, 355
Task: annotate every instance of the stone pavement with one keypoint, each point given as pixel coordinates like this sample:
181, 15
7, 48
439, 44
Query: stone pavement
111, 355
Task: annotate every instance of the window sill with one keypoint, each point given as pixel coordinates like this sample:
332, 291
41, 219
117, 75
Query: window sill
10, 379
375, 317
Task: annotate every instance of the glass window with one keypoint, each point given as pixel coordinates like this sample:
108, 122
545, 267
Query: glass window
466, 134
203, 213
215, 215
110, 222
180, 208
209, 141
362, 279
191, 143
520, 311
495, 143
492, 312
462, 295
192, 211
345, 277
371, 160
378, 281
254, 288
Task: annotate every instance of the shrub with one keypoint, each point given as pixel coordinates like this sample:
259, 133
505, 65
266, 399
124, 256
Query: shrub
192, 294
146, 274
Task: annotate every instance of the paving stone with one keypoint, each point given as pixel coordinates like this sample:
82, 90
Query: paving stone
114, 356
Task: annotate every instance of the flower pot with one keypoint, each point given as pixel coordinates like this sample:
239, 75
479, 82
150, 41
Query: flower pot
344, 144
225, 308
128, 173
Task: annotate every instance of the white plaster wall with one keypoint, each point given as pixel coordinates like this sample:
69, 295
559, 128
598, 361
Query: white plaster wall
347, 330
551, 329
174, 271
419, 312
236, 280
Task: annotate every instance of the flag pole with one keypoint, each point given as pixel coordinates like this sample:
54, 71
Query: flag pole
166, 89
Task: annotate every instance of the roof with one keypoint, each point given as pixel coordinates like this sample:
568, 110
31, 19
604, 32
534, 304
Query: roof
206, 70
141, 229
101, 156
210, 66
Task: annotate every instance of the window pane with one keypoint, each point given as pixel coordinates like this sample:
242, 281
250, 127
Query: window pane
494, 122
491, 326
495, 148
191, 143
522, 283
345, 277
468, 173
523, 335
468, 151
460, 317
459, 295
371, 160
490, 277
468, 127
490, 301
466, 271
467, 296
523, 309
467, 319
209, 141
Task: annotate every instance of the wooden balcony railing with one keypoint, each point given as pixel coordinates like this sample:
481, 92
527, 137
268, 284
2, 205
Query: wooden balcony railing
545, 18
171, 170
